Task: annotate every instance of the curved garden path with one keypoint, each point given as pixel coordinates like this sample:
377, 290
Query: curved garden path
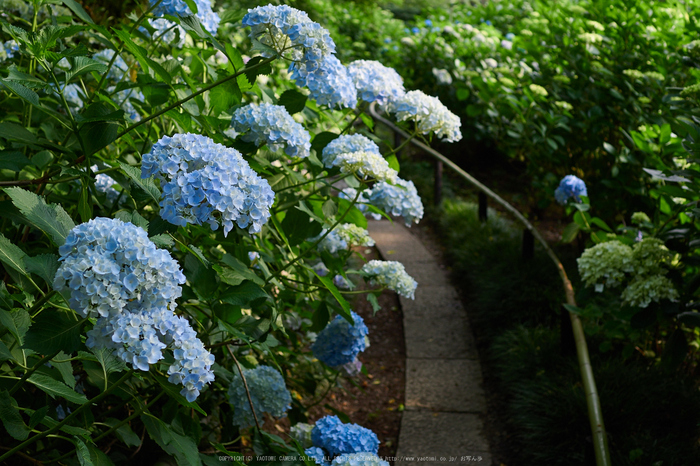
445, 403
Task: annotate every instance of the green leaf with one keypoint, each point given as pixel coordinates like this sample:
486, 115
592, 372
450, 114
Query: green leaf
78, 10
82, 65
174, 392
372, 298
252, 74
44, 265
25, 79
353, 216
55, 388
570, 232
23, 92
11, 418
141, 55
182, 448
367, 120
225, 96
85, 204
228, 275
5, 353
329, 208
609, 148
108, 360
298, 226
601, 224
13, 160
16, 322
393, 162
146, 185
328, 283
690, 318
242, 269
573, 309
320, 318
15, 132
293, 100
82, 452
124, 433
49, 218
243, 294
12, 256
38, 416
321, 140
65, 368
192, 6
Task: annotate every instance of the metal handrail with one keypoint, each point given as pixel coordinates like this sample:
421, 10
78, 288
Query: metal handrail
595, 414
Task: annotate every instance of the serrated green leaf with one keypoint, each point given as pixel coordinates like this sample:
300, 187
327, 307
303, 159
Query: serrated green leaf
49, 218
13, 160
65, 368
242, 269
293, 100
16, 322
321, 140
78, 10
44, 265
15, 132
11, 418
228, 275
299, 226
54, 331
82, 65
82, 452
5, 353
23, 92
243, 294
225, 96
141, 55
55, 388
38, 416
146, 185
12, 255
183, 448
108, 360
25, 79
252, 74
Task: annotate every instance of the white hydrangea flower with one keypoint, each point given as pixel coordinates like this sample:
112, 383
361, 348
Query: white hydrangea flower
391, 274
605, 264
642, 290
430, 115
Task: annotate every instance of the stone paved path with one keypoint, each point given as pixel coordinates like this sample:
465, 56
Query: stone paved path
445, 403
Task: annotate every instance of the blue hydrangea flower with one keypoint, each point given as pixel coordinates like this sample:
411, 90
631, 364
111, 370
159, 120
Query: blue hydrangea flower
272, 125
317, 455
72, 94
10, 48
267, 392
341, 282
290, 32
337, 438
110, 267
206, 182
570, 186
114, 272
510, 36
123, 99
104, 183
329, 82
391, 274
167, 31
352, 368
429, 113
347, 143
118, 69
205, 14
362, 200
340, 342
401, 199
359, 459
342, 236
375, 82
357, 154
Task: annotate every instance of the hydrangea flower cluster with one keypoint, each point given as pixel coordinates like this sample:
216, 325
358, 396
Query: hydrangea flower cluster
640, 217
401, 199
206, 182
10, 48
267, 392
272, 125
344, 235
357, 153
344, 144
318, 455
118, 69
375, 82
340, 341
205, 14
329, 83
341, 282
359, 459
391, 274
430, 115
103, 184
570, 187
644, 289
113, 272
362, 200
605, 264
337, 438
168, 32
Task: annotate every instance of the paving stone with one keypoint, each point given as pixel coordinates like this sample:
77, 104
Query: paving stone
442, 435
433, 302
452, 385
427, 273
443, 337
395, 243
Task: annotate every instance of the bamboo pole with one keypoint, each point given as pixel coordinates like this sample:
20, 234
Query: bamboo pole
595, 414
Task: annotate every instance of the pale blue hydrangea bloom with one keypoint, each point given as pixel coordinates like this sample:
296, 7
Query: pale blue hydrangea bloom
168, 32
401, 199
340, 342
344, 235
317, 455
114, 272
358, 154
644, 289
10, 48
359, 459
272, 125
321, 269
391, 274
375, 82
123, 99
103, 184
267, 392
430, 115
205, 14
329, 83
301, 432
605, 264
352, 368
341, 282
570, 187
337, 438
347, 143
290, 32
443, 76
206, 182
118, 69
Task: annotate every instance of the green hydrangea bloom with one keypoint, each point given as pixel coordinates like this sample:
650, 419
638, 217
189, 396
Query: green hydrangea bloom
605, 264
649, 255
640, 217
642, 290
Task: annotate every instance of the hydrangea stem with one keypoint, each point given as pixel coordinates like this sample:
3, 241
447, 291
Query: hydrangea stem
245, 385
595, 415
